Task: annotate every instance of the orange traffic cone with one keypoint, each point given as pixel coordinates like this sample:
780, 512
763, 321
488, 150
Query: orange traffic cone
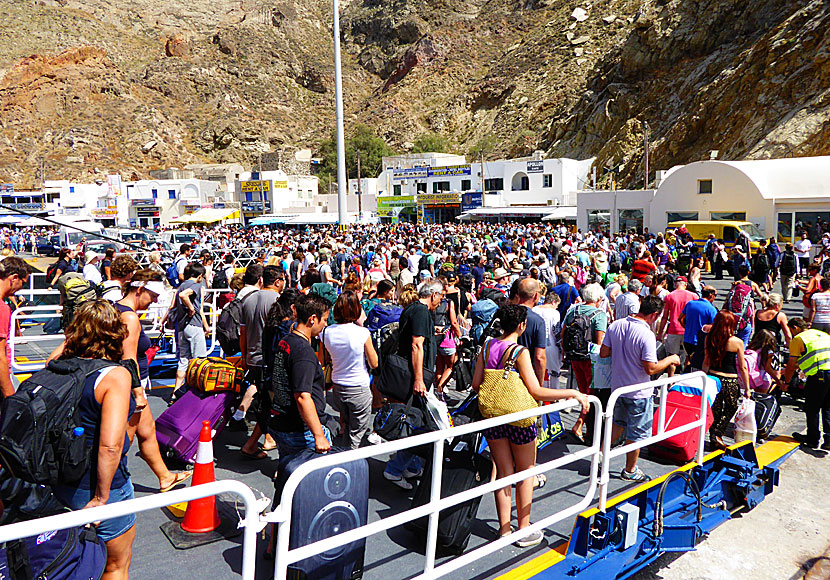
202, 514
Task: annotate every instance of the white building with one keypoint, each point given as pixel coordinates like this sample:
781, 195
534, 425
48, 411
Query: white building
275, 192
103, 202
782, 197
154, 202
443, 187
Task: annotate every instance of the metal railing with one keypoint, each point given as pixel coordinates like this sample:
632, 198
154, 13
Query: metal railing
251, 524
285, 556
608, 454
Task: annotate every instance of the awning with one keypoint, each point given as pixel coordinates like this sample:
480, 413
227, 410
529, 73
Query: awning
207, 216
265, 220
508, 212
565, 212
313, 219
15, 219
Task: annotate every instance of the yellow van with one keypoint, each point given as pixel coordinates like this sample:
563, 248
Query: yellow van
723, 230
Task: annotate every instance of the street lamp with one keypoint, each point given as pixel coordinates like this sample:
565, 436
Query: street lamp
342, 216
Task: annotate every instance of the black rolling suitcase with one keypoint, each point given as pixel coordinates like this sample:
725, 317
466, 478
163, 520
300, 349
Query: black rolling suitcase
327, 502
767, 411
463, 469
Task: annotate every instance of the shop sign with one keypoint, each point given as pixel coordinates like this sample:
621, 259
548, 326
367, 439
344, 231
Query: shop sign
449, 171
438, 198
535, 166
410, 173
255, 186
136, 202
279, 185
255, 206
35, 206
471, 201
103, 213
388, 201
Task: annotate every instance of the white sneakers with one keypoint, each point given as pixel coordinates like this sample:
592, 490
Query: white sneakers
399, 481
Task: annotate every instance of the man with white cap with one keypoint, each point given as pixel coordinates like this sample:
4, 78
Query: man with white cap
91, 272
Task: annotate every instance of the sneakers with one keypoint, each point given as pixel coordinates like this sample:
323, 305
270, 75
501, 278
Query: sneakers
410, 474
374, 438
529, 540
638, 475
399, 481
802, 440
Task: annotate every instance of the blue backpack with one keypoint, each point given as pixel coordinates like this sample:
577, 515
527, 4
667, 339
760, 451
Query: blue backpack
71, 554
172, 274
381, 315
482, 314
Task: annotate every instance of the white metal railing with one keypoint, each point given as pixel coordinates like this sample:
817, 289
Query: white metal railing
662, 434
251, 524
282, 514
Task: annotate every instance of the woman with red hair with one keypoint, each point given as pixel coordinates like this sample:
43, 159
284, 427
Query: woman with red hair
724, 358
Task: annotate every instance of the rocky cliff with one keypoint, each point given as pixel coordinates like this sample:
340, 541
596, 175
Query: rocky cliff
89, 87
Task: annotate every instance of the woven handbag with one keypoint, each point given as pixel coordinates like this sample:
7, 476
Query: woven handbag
503, 391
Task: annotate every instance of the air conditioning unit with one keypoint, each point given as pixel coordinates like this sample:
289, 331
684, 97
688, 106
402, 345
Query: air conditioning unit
550, 202
405, 182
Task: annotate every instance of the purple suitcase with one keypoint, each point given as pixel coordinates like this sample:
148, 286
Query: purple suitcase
178, 428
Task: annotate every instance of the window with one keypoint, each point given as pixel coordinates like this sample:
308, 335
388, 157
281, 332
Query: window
815, 223
630, 219
466, 185
421, 187
730, 234
785, 227
71, 189
155, 193
494, 184
547, 180
681, 216
171, 194
599, 220
704, 186
440, 186
397, 189
728, 216
249, 196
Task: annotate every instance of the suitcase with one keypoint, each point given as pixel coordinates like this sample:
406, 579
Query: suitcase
767, 411
462, 470
327, 502
681, 409
213, 375
178, 428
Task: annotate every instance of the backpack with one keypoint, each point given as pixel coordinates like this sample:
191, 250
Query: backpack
75, 290
50, 272
464, 269
481, 314
758, 378
381, 315
385, 341
441, 315
787, 266
228, 326
739, 302
577, 337
614, 263
172, 274
491, 293
423, 263
38, 444
220, 280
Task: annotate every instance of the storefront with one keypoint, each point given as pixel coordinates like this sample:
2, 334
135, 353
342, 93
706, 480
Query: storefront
439, 208
396, 208
144, 213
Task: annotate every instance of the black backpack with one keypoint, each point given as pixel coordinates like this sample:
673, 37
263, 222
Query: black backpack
441, 316
577, 337
788, 264
220, 280
228, 325
38, 444
423, 263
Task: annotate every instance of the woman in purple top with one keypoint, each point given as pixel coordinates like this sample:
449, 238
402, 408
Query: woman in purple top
513, 448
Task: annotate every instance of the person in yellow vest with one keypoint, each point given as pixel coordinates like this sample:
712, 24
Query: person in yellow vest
810, 353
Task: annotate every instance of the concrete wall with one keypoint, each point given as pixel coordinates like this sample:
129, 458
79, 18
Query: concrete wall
613, 202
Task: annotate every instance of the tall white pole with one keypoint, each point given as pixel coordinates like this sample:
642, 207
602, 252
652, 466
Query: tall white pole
342, 178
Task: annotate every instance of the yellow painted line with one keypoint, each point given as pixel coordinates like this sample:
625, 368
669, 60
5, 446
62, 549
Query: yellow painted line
774, 449
537, 565
23, 376
177, 509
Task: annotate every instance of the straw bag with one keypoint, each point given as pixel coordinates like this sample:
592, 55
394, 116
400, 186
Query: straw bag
503, 391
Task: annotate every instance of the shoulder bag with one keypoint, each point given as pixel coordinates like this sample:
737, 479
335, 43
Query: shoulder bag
503, 391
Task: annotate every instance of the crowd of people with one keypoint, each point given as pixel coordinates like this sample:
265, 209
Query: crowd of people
557, 303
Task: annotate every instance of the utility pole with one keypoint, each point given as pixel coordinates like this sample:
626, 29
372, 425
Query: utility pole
359, 190
342, 177
645, 137
261, 187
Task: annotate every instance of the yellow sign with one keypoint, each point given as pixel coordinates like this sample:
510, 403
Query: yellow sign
438, 198
103, 213
279, 185
251, 186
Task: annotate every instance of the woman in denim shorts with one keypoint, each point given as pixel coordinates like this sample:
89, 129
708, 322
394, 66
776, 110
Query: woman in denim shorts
97, 332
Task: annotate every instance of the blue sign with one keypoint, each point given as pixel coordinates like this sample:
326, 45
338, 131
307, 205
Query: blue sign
470, 201
6, 188
450, 171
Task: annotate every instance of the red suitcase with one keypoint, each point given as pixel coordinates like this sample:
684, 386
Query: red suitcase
681, 409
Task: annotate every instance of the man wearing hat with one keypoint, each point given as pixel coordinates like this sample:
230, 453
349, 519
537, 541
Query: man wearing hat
502, 279
671, 330
91, 272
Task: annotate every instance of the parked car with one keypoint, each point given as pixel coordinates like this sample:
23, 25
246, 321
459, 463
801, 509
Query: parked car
49, 245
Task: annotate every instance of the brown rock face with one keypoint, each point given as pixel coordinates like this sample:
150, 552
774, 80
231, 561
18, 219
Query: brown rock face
177, 45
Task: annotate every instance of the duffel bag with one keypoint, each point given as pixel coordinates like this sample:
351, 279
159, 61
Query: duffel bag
71, 554
213, 375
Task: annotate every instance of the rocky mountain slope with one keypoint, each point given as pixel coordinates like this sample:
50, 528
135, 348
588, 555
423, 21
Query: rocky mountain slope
89, 87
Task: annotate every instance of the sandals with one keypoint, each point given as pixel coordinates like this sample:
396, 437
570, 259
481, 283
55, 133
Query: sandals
180, 477
578, 436
540, 482
259, 454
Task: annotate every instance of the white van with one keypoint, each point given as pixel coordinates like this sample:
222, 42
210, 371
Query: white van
71, 235
176, 238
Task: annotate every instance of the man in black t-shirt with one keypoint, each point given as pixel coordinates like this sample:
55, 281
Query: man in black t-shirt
298, 413
416, 339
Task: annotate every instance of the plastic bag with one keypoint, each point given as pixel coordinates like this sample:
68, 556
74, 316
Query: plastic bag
437, 410
744, 420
